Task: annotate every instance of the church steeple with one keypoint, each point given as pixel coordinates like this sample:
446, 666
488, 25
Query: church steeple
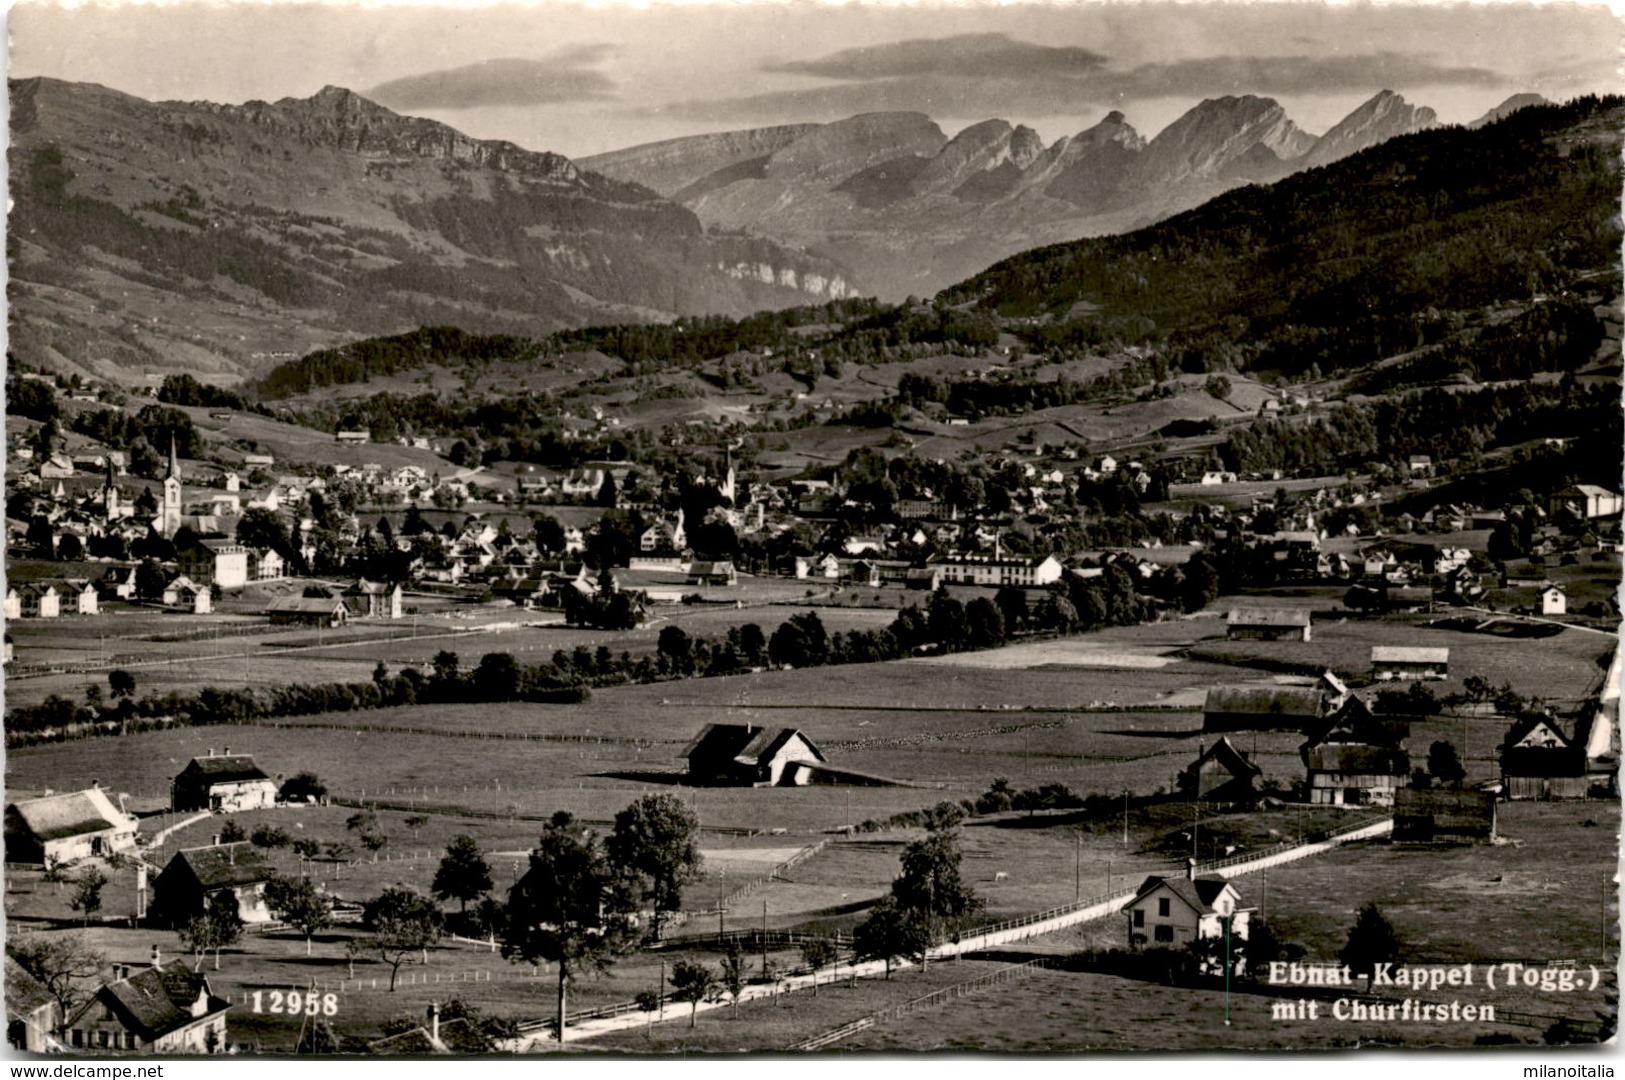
170, 520
174, 460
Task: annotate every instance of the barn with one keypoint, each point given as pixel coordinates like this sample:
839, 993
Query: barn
1251, 708
1356, 759
62, 828
1409, 662
743, 755
1268, 624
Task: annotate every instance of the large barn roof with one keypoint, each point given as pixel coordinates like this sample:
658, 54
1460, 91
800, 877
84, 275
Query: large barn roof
75, 813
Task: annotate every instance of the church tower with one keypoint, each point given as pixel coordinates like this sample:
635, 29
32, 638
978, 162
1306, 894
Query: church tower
170, 521
728, 485
110, 498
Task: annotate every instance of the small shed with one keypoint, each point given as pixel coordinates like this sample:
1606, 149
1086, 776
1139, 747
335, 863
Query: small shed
702, 572
1444, 815
744, 755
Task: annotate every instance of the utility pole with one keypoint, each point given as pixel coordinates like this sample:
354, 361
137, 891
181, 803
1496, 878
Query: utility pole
764, 937
1125, 819
661, 993
1077, 871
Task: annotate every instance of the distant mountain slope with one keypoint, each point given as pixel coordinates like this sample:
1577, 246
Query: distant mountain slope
918, 210
1343, 265
219, 238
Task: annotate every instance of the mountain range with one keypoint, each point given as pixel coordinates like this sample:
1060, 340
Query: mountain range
221, 239
216, 239
917, 211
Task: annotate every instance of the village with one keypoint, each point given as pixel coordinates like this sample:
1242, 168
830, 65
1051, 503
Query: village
813, 677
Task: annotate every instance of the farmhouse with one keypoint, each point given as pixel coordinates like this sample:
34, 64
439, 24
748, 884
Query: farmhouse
309, 611
1268, 624
1409, 662
1247, 708
195, 877
1542, 760
1553, 600
187, 595
375, 599
224, 785
78, 595
31, 1011
62, 828
743, 755
157, 1010
1355, 759
1221, 773
701, 572
1436, 815
998, 570
1175, 911
33, 601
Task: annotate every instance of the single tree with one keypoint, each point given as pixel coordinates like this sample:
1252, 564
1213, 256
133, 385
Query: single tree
270, 836
415, 822
931, 891
121, 683
297, 902
1372, 941
572, 908
692, 983
1444, 766
817, 953
648, 1003
362, 822
232, 832
307, 848
219, 925
657, 839
87, 892
402, 921
889, 932
65, 964
733, 972
463, 874
302, 787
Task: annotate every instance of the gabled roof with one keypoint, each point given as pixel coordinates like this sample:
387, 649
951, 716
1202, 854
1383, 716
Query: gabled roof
156, 1001
1267, 700
1200, 893
225, 768
363, 587
224, 865
1268, 616
745, 744
1408, 654
24, 993
305, 605
1226, 754
1355, 725
74, 813
1525, 726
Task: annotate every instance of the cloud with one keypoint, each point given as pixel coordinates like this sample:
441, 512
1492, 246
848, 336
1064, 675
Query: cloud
566, 76
1051, 85
965, 56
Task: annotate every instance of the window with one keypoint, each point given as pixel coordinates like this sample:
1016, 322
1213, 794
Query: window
1165, 932
1163, 907
101, 1038
1139, 916
78, 1037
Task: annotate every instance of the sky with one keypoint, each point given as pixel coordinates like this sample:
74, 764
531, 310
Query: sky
583, 77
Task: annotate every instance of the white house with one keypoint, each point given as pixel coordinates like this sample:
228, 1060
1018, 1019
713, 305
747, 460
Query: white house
1553, 600
65, 827
997, 570
1172, 912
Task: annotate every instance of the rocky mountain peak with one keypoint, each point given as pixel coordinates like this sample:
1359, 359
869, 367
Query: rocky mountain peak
1383, 116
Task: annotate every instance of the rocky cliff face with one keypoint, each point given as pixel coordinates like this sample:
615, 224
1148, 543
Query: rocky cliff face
153, 235
1508, 107
1383, 117
1216, 135
836, 151
674, 164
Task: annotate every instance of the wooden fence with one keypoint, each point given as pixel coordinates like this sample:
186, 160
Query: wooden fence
928, 1001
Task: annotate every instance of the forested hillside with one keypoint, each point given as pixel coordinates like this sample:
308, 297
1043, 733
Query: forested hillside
1340, 266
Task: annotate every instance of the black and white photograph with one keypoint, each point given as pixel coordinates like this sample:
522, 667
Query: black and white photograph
813, 531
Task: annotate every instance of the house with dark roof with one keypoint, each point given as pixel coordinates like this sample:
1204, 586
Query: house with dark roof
1268, 624
1221, 774
459, 1036
1543, 757
1355, 758
702, 572
31, 1011
1409, 662
375, 599
309, 611
157, 1010
1171, 912
1252, 708
224, 783
743, 755
1444, 815
65, 827
194, 878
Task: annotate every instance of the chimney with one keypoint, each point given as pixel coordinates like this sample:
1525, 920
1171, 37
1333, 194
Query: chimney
226, 752
214, 841
1190, 869
434, 1021
157, 957
95, 784
211, 751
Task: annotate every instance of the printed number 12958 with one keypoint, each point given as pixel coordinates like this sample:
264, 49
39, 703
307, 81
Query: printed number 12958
293, 1003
